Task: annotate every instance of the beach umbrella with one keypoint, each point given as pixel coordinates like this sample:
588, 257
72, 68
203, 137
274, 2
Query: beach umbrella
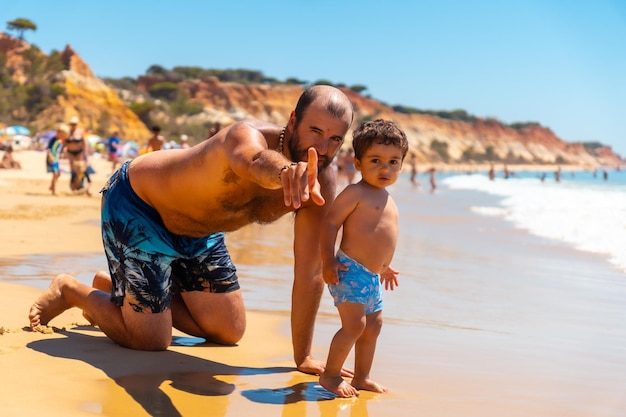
130, 150
14, 130
93, 139
21, 141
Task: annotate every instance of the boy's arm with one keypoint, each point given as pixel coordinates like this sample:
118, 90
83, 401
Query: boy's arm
345, 204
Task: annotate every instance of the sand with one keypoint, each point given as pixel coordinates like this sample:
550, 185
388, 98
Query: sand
487, 321
73, 369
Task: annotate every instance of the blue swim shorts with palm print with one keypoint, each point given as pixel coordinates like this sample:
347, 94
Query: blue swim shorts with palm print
148, 263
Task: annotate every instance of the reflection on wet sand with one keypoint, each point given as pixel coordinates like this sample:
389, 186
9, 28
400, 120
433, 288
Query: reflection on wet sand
258, 244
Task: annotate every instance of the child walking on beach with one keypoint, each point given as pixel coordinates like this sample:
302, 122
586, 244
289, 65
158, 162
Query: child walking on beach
53, 154
354, 274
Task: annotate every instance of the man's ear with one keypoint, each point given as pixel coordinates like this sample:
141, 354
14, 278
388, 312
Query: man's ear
291, 124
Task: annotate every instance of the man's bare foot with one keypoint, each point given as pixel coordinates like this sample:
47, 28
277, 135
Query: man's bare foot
368, 385
338, 386
51, 303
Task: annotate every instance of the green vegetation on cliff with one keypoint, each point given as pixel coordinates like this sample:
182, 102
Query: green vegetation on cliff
20, 102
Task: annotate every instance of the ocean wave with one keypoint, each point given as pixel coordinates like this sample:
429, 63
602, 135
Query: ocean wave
590, 215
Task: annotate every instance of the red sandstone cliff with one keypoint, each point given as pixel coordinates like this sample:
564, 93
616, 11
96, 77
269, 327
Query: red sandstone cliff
86, 96
229, 102
89, 98
99, 106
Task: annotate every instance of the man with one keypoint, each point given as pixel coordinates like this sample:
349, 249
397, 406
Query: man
184, 142
113, 150
163, 220
156, 141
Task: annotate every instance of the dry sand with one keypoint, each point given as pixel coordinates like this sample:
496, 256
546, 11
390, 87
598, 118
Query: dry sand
74, 370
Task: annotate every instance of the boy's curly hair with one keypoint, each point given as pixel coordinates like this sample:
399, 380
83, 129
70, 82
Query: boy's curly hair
384, 132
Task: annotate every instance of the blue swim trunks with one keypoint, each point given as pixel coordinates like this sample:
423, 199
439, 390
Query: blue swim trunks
53, 167
147, 262
357, 285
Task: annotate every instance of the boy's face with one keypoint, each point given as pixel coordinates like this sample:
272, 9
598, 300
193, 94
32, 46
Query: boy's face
380, 165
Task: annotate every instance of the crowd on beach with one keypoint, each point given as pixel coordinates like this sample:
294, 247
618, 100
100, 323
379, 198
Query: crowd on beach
68, 150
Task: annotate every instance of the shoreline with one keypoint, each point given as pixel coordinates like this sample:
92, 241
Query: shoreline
30, 219
488, 320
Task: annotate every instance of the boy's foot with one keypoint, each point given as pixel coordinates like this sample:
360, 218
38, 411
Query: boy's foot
338, 386
368, 385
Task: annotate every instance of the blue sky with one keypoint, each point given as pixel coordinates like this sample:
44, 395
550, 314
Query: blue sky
559, 63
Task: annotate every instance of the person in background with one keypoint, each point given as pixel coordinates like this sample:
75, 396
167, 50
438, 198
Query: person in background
156, 141
348, 166
217, 126
368, 217
113, 150
184, 142
76, 149
53, 154
413, 164
345, 167
433, 178
8, 161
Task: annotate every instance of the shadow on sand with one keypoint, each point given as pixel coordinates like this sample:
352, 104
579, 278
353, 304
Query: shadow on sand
141, 374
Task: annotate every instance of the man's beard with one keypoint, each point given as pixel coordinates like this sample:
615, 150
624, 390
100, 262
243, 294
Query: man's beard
298, 154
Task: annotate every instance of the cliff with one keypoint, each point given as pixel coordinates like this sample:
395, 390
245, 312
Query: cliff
88, 97
97, 105
463, 141
434, 139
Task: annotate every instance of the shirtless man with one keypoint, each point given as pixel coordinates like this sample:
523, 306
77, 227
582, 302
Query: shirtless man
163, 218
156, 141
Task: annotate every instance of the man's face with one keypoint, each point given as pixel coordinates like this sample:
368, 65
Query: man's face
320, 130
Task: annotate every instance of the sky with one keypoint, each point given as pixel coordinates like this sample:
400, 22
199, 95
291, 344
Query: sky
561, 63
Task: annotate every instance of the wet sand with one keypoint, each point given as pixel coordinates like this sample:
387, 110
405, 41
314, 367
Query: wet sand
487, 321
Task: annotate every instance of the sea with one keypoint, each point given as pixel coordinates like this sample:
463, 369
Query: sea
584, 208
511, 297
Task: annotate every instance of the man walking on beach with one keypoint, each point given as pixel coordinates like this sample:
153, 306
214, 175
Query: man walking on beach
164, 215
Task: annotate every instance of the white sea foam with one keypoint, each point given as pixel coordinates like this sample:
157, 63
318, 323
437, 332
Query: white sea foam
490, 211
588, 214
